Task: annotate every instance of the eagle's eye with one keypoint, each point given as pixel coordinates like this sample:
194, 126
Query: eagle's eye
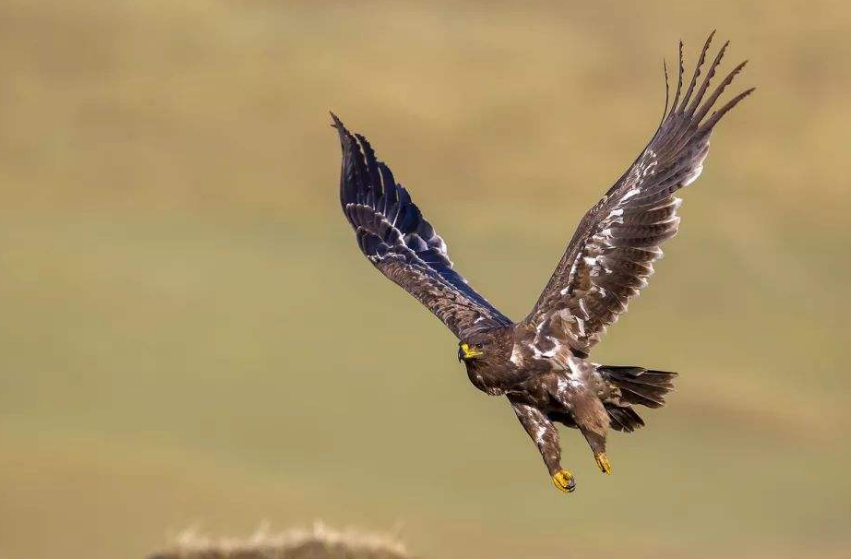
480, 346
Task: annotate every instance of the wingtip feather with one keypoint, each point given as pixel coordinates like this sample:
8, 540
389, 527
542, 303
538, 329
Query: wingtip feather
709, 75
701, 59
701, 113
337, 123
707, 126
680, 72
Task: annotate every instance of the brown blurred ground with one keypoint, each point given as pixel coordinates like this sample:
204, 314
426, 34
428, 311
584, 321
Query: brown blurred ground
189, 336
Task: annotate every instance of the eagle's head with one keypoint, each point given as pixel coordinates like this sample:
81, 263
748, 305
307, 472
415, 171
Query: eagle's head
468, 352
484, 355
477, 349
485, 350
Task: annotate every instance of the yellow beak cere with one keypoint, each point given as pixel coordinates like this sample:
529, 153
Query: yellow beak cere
468, 352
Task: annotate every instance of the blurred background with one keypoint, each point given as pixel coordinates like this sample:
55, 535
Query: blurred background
190, 337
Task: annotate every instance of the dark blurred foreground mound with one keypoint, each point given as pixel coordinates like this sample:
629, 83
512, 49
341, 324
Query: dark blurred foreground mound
320, 542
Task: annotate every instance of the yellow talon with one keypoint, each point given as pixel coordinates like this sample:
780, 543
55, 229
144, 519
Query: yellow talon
603, 463
563, 480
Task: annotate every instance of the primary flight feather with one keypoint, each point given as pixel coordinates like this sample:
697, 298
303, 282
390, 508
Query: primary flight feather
541, 363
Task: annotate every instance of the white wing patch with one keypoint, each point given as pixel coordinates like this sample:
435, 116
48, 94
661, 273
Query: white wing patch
517, 355
578, 372
693, 176
632, 192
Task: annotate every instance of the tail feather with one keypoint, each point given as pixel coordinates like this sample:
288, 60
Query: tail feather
645, 395
636, 386
638, 375
624, 419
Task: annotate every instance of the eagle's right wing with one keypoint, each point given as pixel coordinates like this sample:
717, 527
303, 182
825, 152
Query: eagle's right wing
395, 237
611, 255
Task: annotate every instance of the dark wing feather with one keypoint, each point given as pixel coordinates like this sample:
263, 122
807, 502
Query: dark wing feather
395, 237
611, 254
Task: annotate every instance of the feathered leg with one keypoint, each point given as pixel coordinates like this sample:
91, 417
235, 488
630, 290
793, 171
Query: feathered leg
545, 435
597, 442
593, 420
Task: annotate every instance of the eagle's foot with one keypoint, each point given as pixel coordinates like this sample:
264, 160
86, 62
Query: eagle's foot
564, 481
603, 463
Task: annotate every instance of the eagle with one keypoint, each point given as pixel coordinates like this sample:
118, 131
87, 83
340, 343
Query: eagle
541, 364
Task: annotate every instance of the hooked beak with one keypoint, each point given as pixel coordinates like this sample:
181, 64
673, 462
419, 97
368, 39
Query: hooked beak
466, 352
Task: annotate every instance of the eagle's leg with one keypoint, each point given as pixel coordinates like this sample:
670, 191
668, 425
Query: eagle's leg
597, 442
545, 435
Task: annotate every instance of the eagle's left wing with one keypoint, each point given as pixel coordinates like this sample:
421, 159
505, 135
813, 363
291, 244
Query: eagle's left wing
397, 240
611, 254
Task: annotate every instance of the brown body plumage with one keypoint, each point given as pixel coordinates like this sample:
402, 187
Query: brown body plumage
541, 363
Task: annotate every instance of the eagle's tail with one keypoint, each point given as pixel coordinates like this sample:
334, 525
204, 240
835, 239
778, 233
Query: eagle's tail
638, 386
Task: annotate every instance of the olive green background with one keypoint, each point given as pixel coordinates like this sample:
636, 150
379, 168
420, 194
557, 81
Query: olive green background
190, 337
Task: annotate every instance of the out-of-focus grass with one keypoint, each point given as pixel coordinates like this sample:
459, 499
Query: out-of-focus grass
320, 542
190, 334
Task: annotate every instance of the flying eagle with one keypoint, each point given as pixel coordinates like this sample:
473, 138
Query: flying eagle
541, 363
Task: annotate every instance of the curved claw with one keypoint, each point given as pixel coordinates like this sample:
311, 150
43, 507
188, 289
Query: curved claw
564, 481
603, 463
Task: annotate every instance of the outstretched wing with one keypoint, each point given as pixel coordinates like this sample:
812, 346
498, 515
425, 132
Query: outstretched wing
611, 254
395, 237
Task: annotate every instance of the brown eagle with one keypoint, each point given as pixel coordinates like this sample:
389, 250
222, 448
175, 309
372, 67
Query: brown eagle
541, 364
